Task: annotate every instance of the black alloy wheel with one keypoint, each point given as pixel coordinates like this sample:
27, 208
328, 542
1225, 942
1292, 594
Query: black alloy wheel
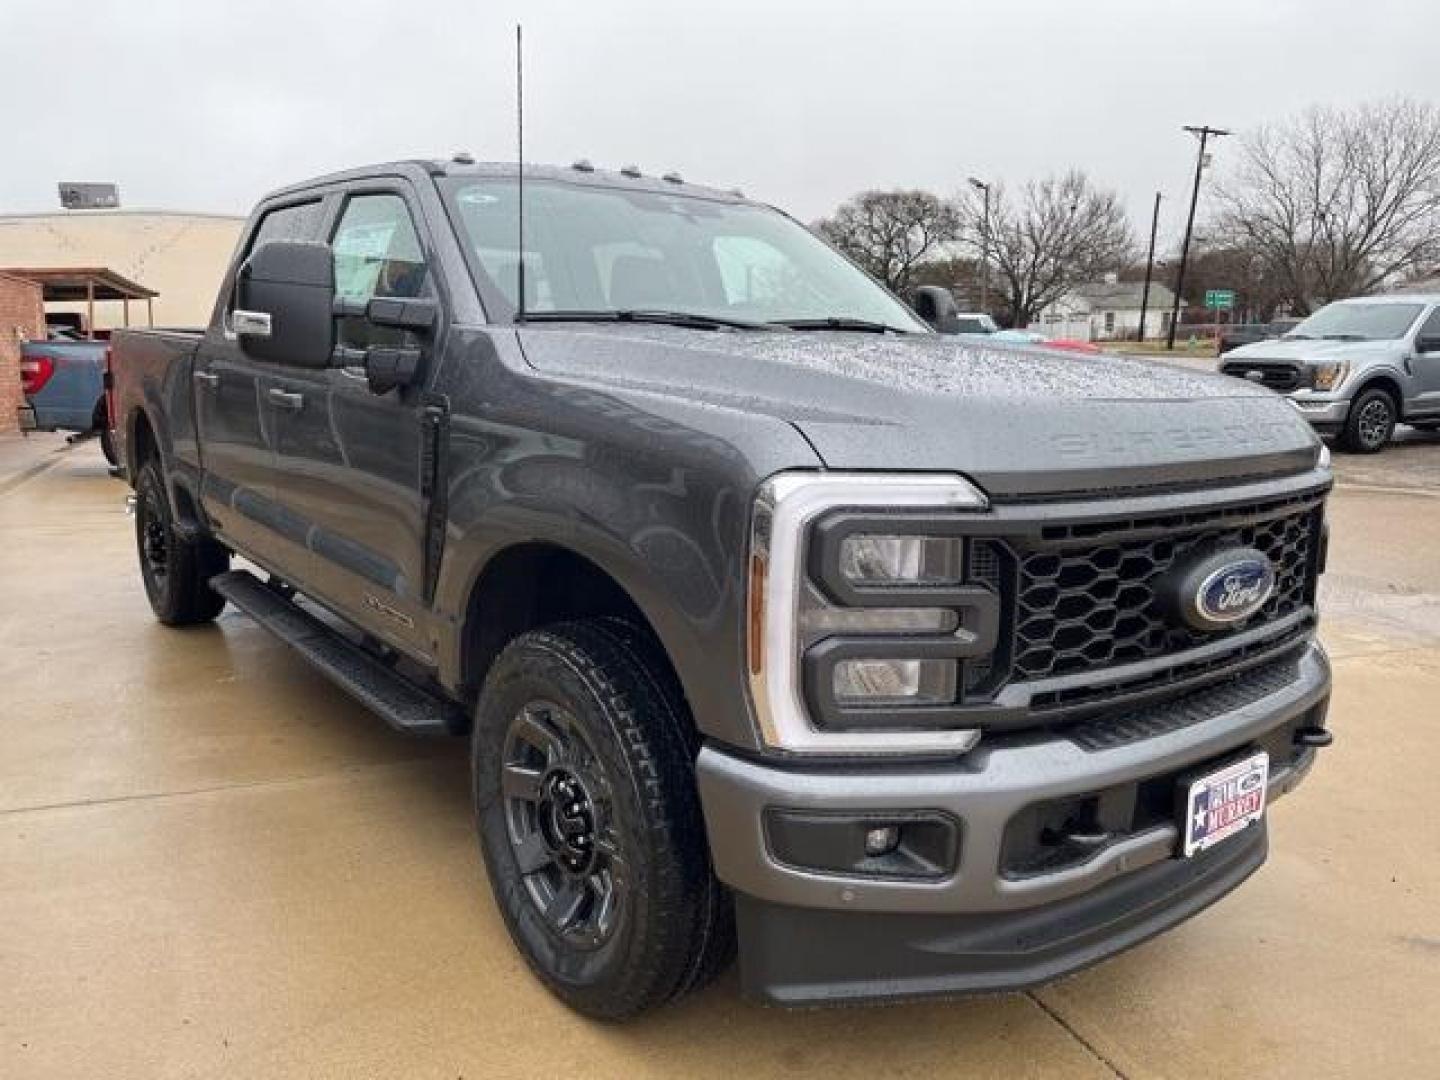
560, 822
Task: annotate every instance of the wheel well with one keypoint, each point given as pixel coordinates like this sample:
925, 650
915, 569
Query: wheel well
141, 443
1389, 385
532, 585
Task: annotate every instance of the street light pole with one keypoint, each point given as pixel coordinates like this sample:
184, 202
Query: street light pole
1204, 132
984, 188
1149, 267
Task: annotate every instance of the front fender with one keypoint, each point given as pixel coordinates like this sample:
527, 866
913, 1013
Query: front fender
654, 491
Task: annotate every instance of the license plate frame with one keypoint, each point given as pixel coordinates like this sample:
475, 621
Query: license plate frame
1223, 802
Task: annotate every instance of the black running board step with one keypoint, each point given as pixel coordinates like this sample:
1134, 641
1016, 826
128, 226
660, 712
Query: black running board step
399, 701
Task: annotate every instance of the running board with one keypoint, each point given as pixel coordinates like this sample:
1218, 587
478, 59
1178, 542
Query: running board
399, 701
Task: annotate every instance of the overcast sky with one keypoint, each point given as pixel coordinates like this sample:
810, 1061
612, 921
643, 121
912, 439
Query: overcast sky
205, 105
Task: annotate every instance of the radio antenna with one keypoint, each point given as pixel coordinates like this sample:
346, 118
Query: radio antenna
520, 174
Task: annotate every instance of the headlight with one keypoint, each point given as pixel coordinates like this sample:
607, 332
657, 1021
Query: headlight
1329, 375
868, 559
856, 619
894, 682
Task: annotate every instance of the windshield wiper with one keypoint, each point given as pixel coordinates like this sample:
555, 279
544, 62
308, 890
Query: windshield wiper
1344, 337
1296, 337
691, 319
839, 322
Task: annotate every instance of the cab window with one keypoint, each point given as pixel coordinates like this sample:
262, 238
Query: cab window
377, 253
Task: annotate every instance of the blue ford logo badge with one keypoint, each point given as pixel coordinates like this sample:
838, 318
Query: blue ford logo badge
1224, 588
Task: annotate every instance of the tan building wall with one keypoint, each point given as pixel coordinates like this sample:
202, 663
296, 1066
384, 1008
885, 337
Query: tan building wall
21, 319
180, 256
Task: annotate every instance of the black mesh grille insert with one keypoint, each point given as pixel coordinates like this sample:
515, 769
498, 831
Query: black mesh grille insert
1083, 606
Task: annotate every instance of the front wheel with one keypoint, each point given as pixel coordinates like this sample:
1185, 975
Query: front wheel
176, 569
1371, 422
590, 821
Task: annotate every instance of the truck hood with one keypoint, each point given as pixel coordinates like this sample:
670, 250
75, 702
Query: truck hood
1311, 350
1019, 420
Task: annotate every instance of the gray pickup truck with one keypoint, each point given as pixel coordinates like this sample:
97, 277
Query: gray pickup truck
1355, 368
913, 664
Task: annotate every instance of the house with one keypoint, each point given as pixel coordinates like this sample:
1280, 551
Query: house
1107, 311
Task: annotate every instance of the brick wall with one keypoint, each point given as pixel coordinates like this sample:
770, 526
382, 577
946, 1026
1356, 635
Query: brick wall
22, 318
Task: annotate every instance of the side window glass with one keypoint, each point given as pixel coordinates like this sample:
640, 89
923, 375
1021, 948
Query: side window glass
377, 251
1431, 326
296, 222
287, 223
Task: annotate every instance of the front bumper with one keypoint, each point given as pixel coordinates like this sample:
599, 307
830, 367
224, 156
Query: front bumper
812, 936
1325, 413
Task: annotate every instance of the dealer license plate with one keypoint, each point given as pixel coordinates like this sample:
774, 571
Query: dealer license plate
1224, 802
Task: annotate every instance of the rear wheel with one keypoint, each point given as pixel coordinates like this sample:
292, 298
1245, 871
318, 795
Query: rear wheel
101, 427
176, 569
107, 446
590, 821
1371, 422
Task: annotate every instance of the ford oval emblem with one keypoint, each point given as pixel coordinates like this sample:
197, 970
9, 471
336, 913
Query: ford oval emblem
1225, 588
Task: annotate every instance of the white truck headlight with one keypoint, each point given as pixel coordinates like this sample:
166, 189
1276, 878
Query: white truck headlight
1329, 375
881, 627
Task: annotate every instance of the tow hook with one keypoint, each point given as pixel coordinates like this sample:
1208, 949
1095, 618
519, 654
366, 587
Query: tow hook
1313, 737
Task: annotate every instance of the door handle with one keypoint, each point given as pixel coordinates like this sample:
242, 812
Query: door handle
207, 379
286, 399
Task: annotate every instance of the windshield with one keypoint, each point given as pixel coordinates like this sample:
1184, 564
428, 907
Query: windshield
1352, 321
597, 250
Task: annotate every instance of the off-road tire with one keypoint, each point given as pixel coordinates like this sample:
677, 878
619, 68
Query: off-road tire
107, 447
1371, 422
100, 424
176, 569
674, 927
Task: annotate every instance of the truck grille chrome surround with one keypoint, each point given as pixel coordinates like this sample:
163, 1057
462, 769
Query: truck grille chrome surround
785, 508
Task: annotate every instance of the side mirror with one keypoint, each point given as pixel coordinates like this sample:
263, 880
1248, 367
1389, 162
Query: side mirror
1427, 343
284, 304
937, 307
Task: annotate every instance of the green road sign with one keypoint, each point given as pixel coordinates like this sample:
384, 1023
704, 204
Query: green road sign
1220, 299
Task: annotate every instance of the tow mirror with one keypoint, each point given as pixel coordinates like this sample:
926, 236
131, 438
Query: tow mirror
937, 307
284, 300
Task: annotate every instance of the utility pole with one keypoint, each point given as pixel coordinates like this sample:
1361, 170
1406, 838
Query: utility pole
1149, 267
984, 188
1204, 132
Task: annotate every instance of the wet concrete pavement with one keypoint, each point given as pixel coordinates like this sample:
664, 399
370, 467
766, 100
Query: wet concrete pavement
212, 863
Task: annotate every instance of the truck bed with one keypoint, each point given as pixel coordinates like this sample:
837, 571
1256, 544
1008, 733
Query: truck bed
73, 385
153, 367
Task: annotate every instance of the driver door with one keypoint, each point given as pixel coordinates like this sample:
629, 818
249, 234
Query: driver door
1426, 368
349, 460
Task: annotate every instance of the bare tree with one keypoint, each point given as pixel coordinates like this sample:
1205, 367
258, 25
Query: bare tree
1060, 232
1338, 203
890, 233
